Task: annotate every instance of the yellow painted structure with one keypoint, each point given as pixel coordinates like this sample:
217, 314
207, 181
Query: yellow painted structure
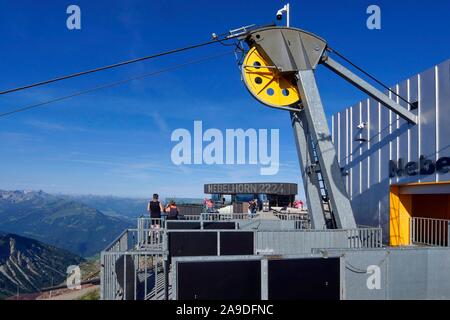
266, 84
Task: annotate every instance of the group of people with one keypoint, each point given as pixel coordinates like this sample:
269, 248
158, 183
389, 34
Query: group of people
158, 211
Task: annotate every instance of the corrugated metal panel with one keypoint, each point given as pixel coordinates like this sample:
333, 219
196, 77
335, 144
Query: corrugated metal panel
355, 163
402, 140
444, 114
391, 138
427, 110
374, 147
414, 130
364, 169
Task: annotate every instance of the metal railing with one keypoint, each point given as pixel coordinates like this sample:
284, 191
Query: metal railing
303, 241
429, 231
133, 275
138, 239
135, 265
302, 224
190, 217
227, 216
150, 223
365, 237
291, 216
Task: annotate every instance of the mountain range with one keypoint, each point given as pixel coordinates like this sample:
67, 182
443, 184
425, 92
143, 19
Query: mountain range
59, 221
124, 208
27, 265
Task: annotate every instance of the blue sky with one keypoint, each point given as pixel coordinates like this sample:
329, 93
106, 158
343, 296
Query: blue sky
117, 141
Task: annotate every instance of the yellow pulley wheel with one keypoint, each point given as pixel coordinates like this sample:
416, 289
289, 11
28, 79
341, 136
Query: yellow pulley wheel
266, 84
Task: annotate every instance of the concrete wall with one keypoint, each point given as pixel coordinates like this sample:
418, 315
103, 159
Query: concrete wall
386, 137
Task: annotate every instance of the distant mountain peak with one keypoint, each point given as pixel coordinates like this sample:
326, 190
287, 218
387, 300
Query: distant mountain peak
63, 222
30, 265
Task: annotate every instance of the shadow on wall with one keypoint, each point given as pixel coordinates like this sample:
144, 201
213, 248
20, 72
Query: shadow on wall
377, 146
367, 210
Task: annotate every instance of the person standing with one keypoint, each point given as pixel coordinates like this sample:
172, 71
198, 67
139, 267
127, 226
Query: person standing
155, 208
210, 205
251, 207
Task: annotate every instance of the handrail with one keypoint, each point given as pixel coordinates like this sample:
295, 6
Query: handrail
429, 231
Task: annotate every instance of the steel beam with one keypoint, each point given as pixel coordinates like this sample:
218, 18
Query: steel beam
331, 172
369, 89
310, 183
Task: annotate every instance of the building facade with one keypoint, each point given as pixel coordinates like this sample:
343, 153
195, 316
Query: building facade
395, 171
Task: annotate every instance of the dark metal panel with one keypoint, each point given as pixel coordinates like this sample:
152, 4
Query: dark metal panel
444, 114
304, 279
427, 112
183, 225
237, 243
183, 244
223, 280
219, 225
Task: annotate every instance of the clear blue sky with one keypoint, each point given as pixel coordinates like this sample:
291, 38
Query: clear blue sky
117, 141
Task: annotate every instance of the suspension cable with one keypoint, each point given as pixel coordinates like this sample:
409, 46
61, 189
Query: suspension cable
115, 65
112, 84
368, 75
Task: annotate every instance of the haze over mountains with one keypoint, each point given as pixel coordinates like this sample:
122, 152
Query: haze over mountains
124, 208
58, 221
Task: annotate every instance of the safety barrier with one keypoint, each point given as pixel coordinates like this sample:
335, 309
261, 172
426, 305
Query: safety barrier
227, 216
135, 265
133, 275
429, 231
303, 241
365, 237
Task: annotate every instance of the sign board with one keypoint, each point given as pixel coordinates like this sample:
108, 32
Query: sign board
251, 188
